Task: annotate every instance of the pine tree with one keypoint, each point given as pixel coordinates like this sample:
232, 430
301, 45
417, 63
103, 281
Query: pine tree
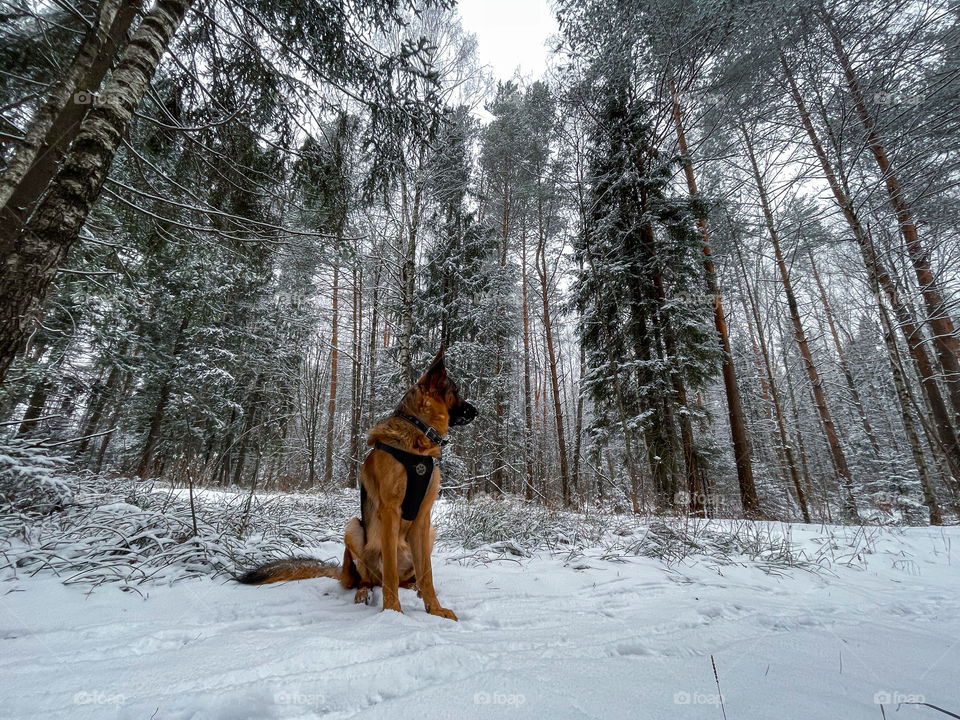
641, 253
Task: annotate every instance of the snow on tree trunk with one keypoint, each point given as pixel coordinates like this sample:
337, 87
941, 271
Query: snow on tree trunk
57, 122
31, 260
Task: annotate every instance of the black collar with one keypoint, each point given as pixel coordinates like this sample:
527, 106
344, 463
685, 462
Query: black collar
433, 435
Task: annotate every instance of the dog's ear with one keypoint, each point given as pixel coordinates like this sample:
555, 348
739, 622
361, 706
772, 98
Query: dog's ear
439, 362
437, 369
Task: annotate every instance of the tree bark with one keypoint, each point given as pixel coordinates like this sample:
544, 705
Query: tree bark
31, 260
801, 447
372, 349
411, 215
57, 122
578, 428
313, 404
245, 437
126, 384
495, 480
34, 411
632, 467
697, 500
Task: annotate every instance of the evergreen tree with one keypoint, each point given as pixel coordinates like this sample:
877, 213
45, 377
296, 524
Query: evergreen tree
646, 334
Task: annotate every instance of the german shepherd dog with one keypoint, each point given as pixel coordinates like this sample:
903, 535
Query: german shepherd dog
391, 542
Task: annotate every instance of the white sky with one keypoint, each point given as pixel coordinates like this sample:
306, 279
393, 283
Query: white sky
510, 34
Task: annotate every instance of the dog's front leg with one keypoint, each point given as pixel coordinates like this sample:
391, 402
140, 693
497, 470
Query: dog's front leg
421, 545
389, 514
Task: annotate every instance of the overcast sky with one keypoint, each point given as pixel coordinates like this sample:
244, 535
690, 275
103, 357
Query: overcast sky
510, 34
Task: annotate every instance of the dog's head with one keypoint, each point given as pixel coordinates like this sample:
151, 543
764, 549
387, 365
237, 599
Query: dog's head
440, 387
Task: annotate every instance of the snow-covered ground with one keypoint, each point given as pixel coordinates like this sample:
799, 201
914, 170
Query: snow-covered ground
581, 635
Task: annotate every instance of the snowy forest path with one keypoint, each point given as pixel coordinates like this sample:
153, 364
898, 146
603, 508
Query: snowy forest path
583, 638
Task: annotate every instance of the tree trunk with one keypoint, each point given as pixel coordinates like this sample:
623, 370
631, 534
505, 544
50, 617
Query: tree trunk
632, 467
372, 349
801, 448
697, 500
332, 404
552, 357
937, 449
98, 405
410, 212
775, 396
31, 260
145, 466
245, 437
762, 374
357, 378
527, 395
496, 478
114, 418
900, 384
738, 428
578, 428
844, 367
770, 447
56, 123
160, 409
840, 460
34, 411
313, 389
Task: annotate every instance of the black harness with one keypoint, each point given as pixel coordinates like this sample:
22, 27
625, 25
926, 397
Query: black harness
419, 467
419, 471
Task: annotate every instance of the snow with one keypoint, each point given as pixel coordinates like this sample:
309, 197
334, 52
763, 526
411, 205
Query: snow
585, 635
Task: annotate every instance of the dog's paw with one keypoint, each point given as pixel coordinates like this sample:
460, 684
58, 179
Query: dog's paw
444, 613
392, 606
363, 596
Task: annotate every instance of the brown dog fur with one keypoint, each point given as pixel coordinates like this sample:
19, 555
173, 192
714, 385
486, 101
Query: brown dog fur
386, 550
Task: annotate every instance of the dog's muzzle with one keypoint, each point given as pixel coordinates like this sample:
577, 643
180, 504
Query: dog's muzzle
462, 414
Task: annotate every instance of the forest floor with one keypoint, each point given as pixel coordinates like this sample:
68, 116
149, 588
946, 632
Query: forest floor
836, 622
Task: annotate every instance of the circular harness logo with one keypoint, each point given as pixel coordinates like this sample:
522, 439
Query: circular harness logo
421, 469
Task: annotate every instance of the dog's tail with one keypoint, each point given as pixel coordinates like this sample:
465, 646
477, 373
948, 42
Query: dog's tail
290, 569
